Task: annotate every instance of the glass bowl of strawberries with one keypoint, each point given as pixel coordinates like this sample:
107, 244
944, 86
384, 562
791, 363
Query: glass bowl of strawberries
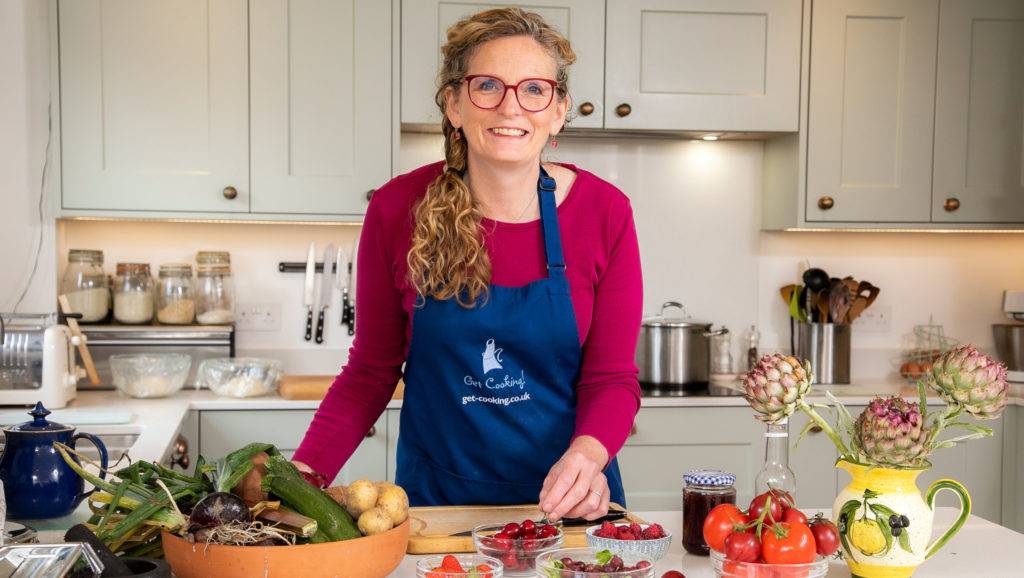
517, 545
458, 566
631, 541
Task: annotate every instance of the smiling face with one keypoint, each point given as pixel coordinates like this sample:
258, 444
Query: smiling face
507, 134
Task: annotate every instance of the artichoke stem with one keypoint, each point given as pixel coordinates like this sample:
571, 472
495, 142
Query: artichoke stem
825, 427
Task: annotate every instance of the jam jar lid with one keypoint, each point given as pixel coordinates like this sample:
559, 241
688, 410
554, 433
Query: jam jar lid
709, 478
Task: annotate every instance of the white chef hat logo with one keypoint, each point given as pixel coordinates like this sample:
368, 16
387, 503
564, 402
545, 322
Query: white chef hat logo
492, 357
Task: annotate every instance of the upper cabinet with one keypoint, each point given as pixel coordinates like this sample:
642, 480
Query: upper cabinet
154, 105
703, 65
680, 65
424, 31
265, 109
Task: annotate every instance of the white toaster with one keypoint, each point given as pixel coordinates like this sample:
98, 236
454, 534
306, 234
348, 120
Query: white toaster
37, 361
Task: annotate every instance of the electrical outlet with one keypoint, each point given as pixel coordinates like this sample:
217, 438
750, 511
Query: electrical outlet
874, 319
258, 317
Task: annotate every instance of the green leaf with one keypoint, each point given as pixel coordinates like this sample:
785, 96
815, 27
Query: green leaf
870, 494
883, 525
882, 510
558, 564
904, 540
849, 509
604, 557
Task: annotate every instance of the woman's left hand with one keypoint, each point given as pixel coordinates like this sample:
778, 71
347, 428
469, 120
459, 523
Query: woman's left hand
576, 487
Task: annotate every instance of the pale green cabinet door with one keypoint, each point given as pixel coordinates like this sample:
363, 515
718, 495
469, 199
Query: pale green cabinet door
812, 460
392, 418
669, 441
979, 113
224, 431
321, 99
703, 65
871, 111
154, 105
424, 30
1013, 468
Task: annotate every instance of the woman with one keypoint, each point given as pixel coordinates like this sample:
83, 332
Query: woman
510, 289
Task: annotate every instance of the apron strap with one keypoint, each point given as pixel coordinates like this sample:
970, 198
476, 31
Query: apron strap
549, 222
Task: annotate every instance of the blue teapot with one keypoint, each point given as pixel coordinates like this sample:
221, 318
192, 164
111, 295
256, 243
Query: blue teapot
37, 482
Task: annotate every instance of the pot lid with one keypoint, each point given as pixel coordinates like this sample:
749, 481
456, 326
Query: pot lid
39, 422
680, 320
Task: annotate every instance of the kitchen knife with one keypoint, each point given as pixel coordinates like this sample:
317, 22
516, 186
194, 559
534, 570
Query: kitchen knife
325, 290
611, 516
309, 289
352, 285
341, 280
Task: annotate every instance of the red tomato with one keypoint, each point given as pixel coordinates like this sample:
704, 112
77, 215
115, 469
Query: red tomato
742, 547
795, 547
826, 536
721, 522
794, 515
780, 502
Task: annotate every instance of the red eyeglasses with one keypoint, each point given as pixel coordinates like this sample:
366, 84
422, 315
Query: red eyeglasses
488, 92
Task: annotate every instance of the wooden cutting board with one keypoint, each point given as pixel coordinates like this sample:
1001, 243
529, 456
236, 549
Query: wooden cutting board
314, 387
432, 527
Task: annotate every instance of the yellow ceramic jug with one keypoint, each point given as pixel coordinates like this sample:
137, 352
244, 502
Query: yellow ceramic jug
884, 523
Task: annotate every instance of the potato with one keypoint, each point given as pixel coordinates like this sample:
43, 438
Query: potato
338, 493
395, 503
374, 521
360, 496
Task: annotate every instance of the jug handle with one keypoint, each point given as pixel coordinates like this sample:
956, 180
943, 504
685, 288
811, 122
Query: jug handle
965, 511
103, 460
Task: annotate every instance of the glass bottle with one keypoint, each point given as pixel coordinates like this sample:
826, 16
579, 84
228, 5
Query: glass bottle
776, 475
133, 293
753, 336
85, 285
702, 491
215, 291
175, 304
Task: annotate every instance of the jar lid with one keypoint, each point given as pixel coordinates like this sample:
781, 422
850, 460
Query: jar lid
213, 258
138, 268
709, 478
39, 422
85, 255
175, 269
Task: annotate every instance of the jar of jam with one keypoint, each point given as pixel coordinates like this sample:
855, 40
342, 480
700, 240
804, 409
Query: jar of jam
702, 491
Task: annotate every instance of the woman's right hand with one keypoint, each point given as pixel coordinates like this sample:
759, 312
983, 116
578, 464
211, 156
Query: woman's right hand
311, 475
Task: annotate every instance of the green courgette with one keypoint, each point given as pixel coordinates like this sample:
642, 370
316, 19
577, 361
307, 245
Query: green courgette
284, 481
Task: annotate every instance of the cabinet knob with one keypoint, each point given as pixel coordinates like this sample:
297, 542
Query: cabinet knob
815, 429
623, 109
369, 194
587, 108
825, 203
372, 432
230, 193
951, 204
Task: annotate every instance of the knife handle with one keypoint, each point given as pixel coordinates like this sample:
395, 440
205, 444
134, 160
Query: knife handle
351, 320
320, 327
309, 324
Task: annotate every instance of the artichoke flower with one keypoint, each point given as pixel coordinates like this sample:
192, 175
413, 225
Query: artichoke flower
775, 387
967, 377
892, 432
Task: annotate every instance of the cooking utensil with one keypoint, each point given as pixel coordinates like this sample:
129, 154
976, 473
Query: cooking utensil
675, 352
341, 282
816, 281
309, 289
83, 349
823, 307
839, 301
326, 286
612, 515
352, 281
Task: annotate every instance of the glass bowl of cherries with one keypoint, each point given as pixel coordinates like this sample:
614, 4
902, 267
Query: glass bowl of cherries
517, 545
590, 563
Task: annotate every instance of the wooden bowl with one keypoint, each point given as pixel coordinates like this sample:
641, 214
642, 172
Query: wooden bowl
367, 557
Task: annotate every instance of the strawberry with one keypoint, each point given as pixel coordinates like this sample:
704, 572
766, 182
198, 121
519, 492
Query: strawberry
451, 564
484, 570
635, 529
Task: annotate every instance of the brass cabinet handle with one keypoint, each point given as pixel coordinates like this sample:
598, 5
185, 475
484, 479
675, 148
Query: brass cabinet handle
230, 193
372, 432
587, 108
369, 194
180, 456
951, 204
815, 429
623, 109
825, 203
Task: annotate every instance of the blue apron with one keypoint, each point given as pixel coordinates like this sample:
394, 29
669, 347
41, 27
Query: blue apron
490, 399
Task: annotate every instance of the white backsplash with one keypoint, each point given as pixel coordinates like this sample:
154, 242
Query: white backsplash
697, 209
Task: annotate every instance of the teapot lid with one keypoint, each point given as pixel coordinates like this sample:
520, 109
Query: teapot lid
39, 422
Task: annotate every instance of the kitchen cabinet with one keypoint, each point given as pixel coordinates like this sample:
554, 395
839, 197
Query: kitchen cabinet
979, 113
266, 109
1013, 468
154, 106
223, 431
695, 65
424, 30
813, 461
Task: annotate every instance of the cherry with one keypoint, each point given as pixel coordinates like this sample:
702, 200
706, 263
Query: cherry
528, 526
512, 529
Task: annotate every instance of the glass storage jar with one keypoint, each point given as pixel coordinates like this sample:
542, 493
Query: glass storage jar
175, 299
702, 491
133, 293
85, 285
215, 291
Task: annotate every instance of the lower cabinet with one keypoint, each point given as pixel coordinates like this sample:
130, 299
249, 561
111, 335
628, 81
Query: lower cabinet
1013, 468
223, 431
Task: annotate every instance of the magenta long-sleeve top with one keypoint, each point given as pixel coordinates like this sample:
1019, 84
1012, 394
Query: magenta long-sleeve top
603, 267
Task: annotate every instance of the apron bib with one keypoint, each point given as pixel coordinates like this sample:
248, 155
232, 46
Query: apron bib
490, 400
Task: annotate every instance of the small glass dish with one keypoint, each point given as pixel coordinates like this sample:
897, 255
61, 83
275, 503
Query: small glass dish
733, 569
150, 374
631, 550
239, 376
518, 556
547, 568
471, 563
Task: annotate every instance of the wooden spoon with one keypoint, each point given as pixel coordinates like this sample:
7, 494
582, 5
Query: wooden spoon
823, 306
839, 302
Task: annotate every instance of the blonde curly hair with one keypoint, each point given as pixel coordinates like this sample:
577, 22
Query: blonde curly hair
447, 257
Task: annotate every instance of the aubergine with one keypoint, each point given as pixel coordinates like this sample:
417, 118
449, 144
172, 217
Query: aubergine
218, 509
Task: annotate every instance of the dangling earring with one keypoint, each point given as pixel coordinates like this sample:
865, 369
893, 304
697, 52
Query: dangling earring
456, 135
554, 142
